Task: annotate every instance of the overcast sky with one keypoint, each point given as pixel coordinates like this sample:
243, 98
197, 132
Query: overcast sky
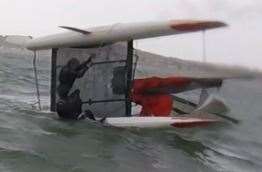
239, 44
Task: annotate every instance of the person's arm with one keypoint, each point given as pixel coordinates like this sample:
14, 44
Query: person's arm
81, 72
85, 63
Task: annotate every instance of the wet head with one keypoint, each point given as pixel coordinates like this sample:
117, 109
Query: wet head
73, 63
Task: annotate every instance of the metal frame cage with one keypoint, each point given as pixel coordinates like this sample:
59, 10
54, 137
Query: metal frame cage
106, 85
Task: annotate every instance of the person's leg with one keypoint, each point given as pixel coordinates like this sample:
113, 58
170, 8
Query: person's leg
89, 114
102, 120
81, 116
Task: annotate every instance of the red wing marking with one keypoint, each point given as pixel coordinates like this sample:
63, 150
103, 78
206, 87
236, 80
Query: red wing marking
190, 124
191, 25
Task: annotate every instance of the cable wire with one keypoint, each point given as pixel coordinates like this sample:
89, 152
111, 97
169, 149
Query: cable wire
36, 83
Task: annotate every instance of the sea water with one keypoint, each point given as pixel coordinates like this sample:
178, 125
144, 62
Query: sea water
34, 141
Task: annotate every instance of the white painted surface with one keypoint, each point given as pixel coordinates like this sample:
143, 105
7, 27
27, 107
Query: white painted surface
154, 122
120, 32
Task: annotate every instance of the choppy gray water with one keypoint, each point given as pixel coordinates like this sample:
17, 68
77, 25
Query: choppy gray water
38, 141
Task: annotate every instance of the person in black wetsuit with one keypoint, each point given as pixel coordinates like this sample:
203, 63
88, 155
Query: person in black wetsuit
71, 108
69, 73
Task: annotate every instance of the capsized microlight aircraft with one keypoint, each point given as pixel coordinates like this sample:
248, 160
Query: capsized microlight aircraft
95, 68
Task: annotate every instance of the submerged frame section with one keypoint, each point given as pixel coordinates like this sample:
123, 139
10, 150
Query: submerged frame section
105, 87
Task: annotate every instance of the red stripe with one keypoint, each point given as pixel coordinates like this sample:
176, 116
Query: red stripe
193, 124
191, 25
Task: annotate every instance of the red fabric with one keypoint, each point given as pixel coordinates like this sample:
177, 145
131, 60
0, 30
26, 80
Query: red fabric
142, 85
155, 104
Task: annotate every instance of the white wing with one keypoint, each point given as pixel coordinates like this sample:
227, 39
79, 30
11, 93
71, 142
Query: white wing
120, 32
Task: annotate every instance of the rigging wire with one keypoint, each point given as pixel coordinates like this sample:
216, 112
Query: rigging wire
135, 54
36, 83
204, 93
204, 45
135, 64
136, 70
